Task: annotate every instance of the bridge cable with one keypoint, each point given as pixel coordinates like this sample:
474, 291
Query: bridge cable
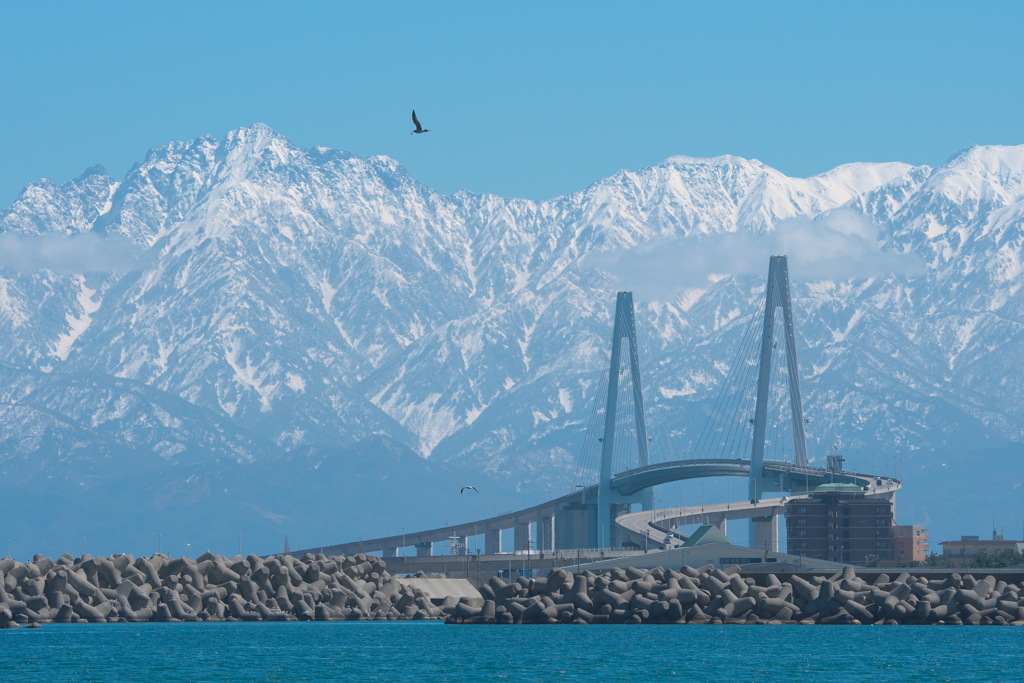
745, 389
719, 409
657, 438
625, 418
734, 394
588, 465
744, 392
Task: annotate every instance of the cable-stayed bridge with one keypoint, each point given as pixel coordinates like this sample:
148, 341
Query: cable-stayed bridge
601, 515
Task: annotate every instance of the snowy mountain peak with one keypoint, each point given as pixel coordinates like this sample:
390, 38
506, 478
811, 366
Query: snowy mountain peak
294, 300
258, 141
859, 178
682, 160
998, 165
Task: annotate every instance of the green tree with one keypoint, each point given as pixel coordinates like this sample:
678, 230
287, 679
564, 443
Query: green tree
983, 559
1003, 558
936, 560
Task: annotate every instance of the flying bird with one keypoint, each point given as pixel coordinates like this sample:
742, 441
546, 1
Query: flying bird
472, 488
419, 128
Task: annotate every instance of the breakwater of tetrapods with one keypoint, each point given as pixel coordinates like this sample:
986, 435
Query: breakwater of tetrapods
207, 588
320, 588
708, 595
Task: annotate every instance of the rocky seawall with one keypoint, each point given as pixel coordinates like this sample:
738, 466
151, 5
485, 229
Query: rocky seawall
709, 595
207, 588
320, 588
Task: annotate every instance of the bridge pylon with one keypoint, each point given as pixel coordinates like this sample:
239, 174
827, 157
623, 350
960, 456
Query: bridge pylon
624, 329
777, 296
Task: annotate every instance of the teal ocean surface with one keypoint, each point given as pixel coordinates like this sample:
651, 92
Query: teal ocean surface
431, 651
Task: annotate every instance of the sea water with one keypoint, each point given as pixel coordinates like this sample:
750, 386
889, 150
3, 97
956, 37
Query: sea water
431, 651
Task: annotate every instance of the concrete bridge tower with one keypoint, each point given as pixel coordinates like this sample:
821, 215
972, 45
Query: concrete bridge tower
624, 329
776, 297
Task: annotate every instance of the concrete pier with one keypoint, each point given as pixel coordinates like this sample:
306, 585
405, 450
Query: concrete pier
492, 541
766, 533
546, 533
523, 539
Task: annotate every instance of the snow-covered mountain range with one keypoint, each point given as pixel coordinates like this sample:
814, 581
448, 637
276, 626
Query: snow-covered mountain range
238, 302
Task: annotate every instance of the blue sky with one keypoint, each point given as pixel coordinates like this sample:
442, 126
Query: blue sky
525, 99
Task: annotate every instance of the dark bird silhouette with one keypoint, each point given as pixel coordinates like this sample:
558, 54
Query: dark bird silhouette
419, 129
472, 488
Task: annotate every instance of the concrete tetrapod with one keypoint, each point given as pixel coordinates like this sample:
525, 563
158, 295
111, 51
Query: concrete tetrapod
208, 588
710, 595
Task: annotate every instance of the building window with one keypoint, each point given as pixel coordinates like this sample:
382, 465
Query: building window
846, 522
739, 560
846, 534
846, 557
800, 522
801, 511
800, 532
846, 510
801, 544
882, 522
882, 545
846, 545
881, 511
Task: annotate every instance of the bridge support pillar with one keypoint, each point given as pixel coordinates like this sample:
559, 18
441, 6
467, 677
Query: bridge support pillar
390, 552
722, 525
546, 533
576, 527
522, 540
776, 295
424, 549
492, 541
765, 533
624, 328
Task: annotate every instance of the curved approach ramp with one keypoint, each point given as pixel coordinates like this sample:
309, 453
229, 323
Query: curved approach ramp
658, 528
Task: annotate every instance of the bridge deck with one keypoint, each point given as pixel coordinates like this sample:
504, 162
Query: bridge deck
627, 483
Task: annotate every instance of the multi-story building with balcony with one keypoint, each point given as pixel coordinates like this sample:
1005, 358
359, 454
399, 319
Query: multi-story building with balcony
839, 523
910, 542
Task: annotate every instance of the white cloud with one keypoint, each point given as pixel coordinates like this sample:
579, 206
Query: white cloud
82, 253
838, 245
